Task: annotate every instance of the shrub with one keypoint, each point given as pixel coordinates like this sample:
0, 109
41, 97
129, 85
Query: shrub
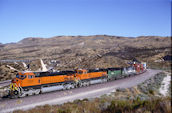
63, 110
151, 91
154, 105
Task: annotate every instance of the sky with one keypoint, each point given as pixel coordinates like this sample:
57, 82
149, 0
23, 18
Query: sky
47, 18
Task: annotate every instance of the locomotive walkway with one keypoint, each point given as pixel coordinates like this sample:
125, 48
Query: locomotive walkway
59, 97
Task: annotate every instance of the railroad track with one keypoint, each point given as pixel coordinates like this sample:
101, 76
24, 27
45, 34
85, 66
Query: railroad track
5, 83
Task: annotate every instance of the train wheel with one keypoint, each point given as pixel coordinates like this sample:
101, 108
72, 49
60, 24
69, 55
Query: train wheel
104, 80
16, 92
65, 87
70, 86
81, 84
85, 84
73, 86
37, 91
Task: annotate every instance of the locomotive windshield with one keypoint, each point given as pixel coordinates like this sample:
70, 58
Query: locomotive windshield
20, 76
80, 72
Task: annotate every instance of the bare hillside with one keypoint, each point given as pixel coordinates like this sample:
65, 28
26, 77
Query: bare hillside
98, 51
31, 48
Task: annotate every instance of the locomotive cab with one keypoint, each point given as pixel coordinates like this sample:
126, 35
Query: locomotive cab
17, 81
20, 76
81, 71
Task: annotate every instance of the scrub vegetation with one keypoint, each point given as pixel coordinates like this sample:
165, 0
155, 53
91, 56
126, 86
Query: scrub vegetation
100, 105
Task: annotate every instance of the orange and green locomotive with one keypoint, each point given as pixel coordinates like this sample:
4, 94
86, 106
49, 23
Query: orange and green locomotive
30, 83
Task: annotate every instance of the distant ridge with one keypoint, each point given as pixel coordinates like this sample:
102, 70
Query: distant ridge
35, 47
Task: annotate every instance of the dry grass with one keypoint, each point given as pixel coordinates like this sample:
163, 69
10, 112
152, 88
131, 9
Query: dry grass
137, 106
116, 106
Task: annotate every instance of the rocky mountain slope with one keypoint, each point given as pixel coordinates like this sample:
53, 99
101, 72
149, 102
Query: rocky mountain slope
31, 48
97, 51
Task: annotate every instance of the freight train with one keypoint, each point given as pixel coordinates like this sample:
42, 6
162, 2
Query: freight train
32, 83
